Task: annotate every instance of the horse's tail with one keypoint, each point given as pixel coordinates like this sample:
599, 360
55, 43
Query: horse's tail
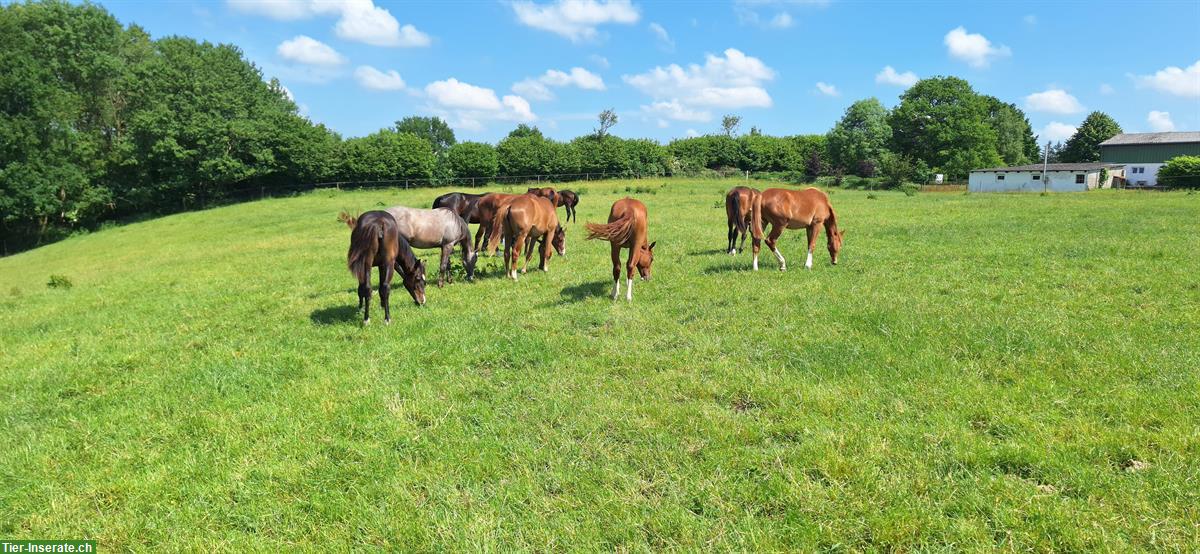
756, 216
734, 211
365, 241
497, 229
618, 232
349, 220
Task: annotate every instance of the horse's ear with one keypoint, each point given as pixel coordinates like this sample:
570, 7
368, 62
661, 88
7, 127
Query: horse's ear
652, 245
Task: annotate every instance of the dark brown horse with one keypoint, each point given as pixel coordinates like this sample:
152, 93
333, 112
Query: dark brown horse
739, 207
569, 199
626, 228
464, 204
795, 209
523, 221
486, 210
376, 242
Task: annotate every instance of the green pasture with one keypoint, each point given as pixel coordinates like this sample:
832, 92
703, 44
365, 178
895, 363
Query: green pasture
1016, 372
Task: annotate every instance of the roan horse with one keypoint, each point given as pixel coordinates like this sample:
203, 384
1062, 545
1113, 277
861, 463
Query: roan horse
626, 228
523, 221
795, 209
440, 228
376, 242
739, 207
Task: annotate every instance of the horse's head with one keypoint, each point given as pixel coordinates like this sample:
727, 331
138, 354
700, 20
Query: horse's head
560, 241
414, 281
645, 259
474, 257
835, 244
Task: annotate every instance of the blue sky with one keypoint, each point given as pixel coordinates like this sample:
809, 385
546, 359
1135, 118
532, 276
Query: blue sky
673, 69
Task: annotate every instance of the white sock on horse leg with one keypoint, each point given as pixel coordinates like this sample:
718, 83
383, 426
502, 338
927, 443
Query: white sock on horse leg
629, 289
756, 262
808, 262
616, 288
782, 262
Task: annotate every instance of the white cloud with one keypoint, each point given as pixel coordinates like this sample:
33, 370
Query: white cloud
662, 35
1173, 80
538, 89
692, 133
889, 77
600, 61
733, 80
973, 48
676, 111
358, 20
374, 79
1053, 101
1030, 20
782, 20
1106, 88
827, 89
309, 51
468, 107
747, 11
1056, 131
576, 20
1160, 122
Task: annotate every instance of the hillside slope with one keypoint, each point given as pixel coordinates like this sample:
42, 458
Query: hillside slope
1012, 371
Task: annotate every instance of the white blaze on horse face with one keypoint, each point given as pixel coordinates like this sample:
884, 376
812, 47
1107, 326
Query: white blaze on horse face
629, 289
616, 288
808, 262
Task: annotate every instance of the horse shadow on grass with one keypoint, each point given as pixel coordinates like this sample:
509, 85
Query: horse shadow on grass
708, 252
336, 315
728, 267
578, 293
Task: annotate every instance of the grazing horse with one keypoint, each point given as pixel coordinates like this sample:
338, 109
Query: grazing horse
795, 209
545, 192
440, 228
522, 222
376, 242
569, 199
464, 204
486, 210
626, 228
739, 205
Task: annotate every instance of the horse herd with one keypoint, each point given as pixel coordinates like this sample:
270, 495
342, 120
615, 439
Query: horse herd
385, 238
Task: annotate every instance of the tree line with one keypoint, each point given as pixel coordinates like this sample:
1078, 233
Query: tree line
99, 122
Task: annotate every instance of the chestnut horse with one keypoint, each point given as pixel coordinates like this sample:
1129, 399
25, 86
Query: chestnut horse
376, 242
626, 228
545, 192
486, 210
739, 205
569, 199
522, 222
795, 209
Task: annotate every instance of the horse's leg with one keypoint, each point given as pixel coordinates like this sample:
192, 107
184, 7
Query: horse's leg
518, 242
478, 234
773, 244
813, 231
731, 236
616, 261
745, 231
756, 245
633, 251
364, 295
547, 246
444, 265
386, 272
508, 272
529, 244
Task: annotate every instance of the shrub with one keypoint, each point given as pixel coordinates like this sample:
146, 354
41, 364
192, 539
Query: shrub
1181, 172
473, 159
59, 282
910, 189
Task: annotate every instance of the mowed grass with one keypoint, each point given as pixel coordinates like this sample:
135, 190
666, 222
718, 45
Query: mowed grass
979, 371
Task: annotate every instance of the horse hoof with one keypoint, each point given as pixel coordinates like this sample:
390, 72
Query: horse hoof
387, 322
366, 322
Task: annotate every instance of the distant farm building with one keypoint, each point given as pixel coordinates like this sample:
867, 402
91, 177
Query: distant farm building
1143, 154
1056, 178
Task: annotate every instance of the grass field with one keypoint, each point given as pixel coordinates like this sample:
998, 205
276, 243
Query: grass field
979, 371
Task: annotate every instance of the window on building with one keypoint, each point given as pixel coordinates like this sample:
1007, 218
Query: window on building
1037, 177
1080, 179
999, 177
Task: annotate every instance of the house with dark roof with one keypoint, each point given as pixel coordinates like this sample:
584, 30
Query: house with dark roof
1143, 154
1038, 178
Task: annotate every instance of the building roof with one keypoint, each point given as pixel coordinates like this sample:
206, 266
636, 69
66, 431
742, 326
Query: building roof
1124, 139
1090, 166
